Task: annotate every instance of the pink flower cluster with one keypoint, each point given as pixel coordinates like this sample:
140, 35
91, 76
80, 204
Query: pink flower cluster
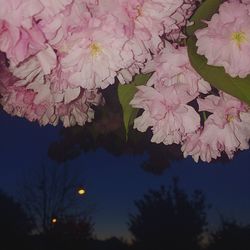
226, 40
168, 103
227, 129
61, 52
165, 99
39, 103
56, 56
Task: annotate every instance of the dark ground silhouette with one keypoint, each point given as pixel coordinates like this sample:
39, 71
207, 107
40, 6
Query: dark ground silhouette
15, 224
166, 219
231, 236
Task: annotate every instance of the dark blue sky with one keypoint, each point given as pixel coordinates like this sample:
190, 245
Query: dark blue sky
113, 183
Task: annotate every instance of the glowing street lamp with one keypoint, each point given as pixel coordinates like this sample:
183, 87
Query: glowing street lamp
54, 220
81, 191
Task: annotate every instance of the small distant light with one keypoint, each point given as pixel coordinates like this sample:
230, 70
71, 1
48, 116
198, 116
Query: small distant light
81, 191
54, 220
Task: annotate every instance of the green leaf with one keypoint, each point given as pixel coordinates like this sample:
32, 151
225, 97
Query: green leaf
204, 12
126, 93
216, 76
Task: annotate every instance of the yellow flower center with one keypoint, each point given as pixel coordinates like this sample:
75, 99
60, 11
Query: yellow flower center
239, 37
95, 49
139, 10
230, 118
64, 48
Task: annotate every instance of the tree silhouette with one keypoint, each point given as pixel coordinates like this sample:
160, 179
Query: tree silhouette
112, 243
168, 219
51, 193
231, 236
14, 223
68, 233
73, 228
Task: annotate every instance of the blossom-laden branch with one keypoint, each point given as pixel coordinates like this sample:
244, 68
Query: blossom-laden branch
57, 57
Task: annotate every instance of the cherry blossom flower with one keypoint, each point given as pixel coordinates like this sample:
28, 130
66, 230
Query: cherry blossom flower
42, 73
54, 7
20, 101
154, 18
20, 36
201, 145
20, 13
31, 91
63, 22
56, 55
33, 98
144, 23
172, 67
174, 24
226, 40
95, 59
167, 112
226, 129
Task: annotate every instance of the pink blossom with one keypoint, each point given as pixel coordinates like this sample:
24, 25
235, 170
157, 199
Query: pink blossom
19, 43
93, 62
151, 18
202, 145
226, 129
166, 111
226, 40
54, 7
6, 78
33, 97
102, 8
42, 73
80, 110
154, 18
126, 75
173, 25
20, 36
19, 101
62, 23
20, 13
172, 67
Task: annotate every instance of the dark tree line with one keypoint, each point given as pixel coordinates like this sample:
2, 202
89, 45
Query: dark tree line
50, 192
231, 236
167, 218
13, 219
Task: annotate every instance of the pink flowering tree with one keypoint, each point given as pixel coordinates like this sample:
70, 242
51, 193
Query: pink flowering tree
181, 66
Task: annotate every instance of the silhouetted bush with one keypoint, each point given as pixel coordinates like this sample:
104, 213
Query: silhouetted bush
73, 228
109, 244
231, 236
14, 223
168, 219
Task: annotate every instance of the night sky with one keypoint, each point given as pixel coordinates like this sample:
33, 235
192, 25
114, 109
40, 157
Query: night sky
113, 183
